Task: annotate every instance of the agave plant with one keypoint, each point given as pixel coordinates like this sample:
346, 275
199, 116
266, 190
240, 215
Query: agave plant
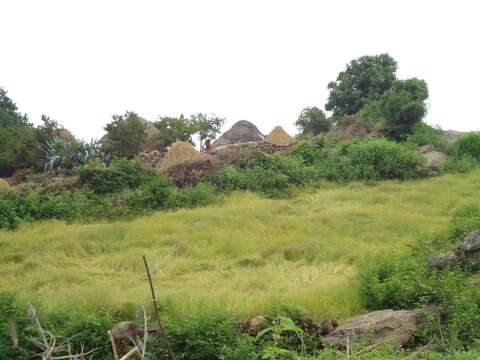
59, 155
91, 151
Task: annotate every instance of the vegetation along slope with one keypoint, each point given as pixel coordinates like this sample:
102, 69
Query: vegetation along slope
245, 255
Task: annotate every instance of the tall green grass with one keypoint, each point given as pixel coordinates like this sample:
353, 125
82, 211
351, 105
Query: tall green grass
247, 255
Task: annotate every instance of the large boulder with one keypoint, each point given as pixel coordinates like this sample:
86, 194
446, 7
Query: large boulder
451, 136
471, 247
231, 154
242, 131
378, 326
443, 261
433, 162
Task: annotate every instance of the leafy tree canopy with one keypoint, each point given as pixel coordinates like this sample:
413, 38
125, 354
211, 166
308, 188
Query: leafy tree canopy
403, 106
126, 135
206, 126
313, 121
174, 129
364, 80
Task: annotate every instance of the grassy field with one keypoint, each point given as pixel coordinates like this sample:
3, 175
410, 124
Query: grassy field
246, 255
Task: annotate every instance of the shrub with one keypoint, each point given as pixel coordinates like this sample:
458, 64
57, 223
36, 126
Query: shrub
375, 160
226, 179
467, 145
424, 134
10, 314
122, 174
307, 152
206, 336
8, 217
404, 282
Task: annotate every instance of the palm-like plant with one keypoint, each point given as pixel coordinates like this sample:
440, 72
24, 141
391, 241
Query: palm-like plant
61, 155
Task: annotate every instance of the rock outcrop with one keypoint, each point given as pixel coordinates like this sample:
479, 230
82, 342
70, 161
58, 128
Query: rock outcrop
378, 326
443, 261
471, 247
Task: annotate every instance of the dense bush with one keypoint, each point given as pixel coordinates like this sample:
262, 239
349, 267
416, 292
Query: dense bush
424, 134
370, 160
207, 336
122, 174
466, 146
404, 282
30, 203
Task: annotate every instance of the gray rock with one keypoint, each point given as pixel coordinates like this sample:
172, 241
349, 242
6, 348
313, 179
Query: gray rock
451, 135
241, 131
471, 242
471, 247
443, 261
377, 326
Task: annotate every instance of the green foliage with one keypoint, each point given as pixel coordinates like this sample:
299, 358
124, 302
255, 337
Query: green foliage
59, 155
424, 134
10, 314
371, 160
312, 121
272, 175
363, 81
126, 135
403, 106
87, 331
206, 126
405, 282
307, 152
175, 129
8, 217
207, 336
19, 149
122, 174
466, 146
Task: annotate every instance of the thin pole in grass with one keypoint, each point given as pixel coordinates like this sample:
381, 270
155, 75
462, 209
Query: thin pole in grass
157, 313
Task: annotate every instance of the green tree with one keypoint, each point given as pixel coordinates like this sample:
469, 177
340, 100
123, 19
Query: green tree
313, 121
126, 135
175, 129
403, 106
19, 147
364, 80
206, 126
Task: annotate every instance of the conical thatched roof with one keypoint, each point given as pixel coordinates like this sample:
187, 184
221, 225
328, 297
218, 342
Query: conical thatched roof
242, 131
181, 152
4, 184
279, 136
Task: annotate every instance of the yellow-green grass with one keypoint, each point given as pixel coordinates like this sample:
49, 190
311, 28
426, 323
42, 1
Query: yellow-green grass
246, 255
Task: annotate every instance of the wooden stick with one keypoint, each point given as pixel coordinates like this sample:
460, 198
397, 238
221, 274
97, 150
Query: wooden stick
130, 353
114, 347
157, 314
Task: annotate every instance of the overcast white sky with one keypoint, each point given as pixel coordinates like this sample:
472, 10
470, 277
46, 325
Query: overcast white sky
264, 61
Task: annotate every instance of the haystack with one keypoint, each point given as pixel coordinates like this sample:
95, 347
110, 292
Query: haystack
181, 152
4, 184
279, 136
242, 131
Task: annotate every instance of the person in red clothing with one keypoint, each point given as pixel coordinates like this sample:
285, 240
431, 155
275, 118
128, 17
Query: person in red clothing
207, 145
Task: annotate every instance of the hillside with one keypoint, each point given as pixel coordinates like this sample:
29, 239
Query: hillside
244, 255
